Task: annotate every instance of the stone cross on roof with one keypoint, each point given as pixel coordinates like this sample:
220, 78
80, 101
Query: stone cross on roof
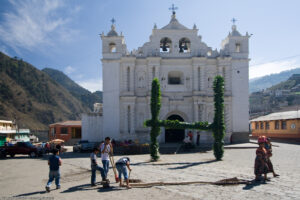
113, 20
233, 21
173, 8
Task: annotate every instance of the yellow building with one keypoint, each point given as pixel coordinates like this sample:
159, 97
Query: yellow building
6, 131
277, 125
6, 125
9, 132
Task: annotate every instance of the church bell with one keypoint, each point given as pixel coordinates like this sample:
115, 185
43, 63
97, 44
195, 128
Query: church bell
185, 47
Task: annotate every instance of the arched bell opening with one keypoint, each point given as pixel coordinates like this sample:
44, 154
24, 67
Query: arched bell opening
184, 45
166, 45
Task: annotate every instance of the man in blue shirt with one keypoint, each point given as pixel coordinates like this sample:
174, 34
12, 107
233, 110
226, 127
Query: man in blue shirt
54, 163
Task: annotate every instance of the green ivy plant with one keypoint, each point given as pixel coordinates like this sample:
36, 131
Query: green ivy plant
155, 128
218, 126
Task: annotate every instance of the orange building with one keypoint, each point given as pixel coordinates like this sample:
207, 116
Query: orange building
277, 125
69, 131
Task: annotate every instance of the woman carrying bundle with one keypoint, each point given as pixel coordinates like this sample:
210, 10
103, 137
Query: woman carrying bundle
261, 166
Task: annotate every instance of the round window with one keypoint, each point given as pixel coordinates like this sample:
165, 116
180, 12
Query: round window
293, 126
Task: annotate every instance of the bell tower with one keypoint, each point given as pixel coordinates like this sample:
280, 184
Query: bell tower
113, 48
113, 44
235, 44
236, 47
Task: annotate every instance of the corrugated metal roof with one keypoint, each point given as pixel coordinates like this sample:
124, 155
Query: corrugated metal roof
6, 122
279, 115
68, 123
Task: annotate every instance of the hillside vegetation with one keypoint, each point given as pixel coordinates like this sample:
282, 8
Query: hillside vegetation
276, 98
83, 95
32, 98
265, 82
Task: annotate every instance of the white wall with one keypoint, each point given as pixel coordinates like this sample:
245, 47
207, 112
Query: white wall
240, 95
92, 125
111, 99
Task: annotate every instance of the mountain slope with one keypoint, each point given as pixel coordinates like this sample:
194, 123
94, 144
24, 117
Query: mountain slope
32, 98
83, 95
264, 82
282, 96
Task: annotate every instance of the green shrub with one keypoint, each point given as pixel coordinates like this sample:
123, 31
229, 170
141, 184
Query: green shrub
218, 124
155, 129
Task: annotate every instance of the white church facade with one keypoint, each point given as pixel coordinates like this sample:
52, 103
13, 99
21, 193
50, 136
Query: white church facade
185, 67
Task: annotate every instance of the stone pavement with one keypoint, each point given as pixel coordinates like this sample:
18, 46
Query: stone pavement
25, 178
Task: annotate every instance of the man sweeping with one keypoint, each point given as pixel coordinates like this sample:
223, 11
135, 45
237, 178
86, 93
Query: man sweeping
121, 165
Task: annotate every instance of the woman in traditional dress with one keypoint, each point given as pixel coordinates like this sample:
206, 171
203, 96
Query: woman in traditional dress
268, 147
261, 166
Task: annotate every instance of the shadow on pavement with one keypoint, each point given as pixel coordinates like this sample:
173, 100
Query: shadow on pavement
253, 184
80, 188
86, 187
187, 165
31, 193
110, 189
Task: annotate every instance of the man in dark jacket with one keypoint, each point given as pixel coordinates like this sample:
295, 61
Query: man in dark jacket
54, 163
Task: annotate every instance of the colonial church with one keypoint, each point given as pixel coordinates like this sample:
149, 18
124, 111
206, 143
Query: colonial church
185, 67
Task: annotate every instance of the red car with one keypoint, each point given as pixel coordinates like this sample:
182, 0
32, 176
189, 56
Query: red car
25, 148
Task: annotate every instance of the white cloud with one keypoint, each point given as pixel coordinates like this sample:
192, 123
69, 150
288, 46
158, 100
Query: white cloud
32, 23
91, 84
69, 70
272, 68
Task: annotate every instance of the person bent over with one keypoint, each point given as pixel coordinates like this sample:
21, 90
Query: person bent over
54, 163
95, 167
121, 165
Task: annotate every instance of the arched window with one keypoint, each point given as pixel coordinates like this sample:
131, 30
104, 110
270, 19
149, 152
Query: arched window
184, 45
175, 78
112, 47
153, 73
199, 79
210, 82
128, 78
165, 45
237, 47
128, 119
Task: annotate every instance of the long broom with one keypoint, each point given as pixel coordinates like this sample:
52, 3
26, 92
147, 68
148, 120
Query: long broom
112, 161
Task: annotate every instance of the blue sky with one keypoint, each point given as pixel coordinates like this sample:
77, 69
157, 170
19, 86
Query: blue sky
64, 35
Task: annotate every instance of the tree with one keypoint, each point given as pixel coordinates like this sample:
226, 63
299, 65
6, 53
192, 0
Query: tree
218, 124
155, 108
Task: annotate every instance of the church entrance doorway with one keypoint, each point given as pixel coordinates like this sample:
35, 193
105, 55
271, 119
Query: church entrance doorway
174, 135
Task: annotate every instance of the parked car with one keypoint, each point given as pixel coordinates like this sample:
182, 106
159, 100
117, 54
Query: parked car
2, 153
84, 146
25, 148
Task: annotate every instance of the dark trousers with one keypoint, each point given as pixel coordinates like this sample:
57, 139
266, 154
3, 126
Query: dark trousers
94, 169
